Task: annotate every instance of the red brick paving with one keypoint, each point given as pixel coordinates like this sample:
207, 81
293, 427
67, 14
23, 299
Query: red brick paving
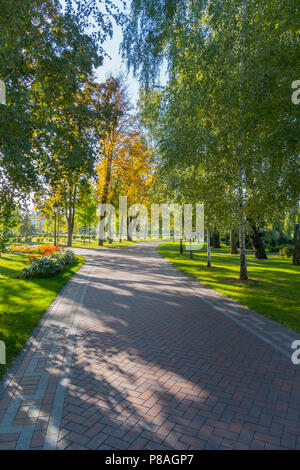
153, 367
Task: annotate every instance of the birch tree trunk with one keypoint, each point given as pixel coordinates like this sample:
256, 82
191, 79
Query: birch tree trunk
241, 188
121, 229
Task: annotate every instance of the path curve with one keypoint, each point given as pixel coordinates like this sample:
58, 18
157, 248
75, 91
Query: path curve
133, 354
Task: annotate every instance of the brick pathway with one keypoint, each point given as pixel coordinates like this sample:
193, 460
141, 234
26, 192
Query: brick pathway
135, 355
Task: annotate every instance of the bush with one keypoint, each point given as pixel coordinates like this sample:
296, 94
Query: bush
65, 256
48, 266
287, 251
271, 248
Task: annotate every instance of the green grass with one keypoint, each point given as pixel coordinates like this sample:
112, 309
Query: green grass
23, 301
94, 244
80, 244
275, 295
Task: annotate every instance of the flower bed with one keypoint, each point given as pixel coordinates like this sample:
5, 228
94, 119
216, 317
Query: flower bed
35, 249
48, 265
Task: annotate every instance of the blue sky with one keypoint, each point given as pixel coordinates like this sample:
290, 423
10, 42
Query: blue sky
114, 65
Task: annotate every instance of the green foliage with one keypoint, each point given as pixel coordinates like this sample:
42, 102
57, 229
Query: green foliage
87, 206
41, 48
48, 53
97, 16
9, 218
225, 126
287, 251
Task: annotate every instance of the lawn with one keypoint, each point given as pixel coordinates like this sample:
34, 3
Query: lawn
275, 295
79, 243
23, 301
94, 244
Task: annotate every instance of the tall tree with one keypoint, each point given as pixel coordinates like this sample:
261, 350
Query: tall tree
112, 97
230, 85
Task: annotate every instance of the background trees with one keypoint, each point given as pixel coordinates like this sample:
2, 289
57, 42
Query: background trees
226, 110
46, 57
125, 160
48, 137
87, 209
224, 128
113, 98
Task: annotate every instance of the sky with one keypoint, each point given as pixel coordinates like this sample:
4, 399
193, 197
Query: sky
114, 65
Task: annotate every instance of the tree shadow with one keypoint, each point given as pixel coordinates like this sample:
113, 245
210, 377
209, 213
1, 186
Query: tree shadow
155, 367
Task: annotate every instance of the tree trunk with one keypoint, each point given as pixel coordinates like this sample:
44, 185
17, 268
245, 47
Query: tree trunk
70, 231
104, 198
70, 220
84, 233
191, 251
296, 255
257, 242
121, 229
100, 240
233, 243
129, 219
103, 202
181, 246
70, 212
243, 259
208, 250
55, 234
241, 172
216, 240
110, 239
242, 234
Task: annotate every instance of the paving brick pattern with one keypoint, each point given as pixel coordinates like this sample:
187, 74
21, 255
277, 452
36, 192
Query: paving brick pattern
135, 355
